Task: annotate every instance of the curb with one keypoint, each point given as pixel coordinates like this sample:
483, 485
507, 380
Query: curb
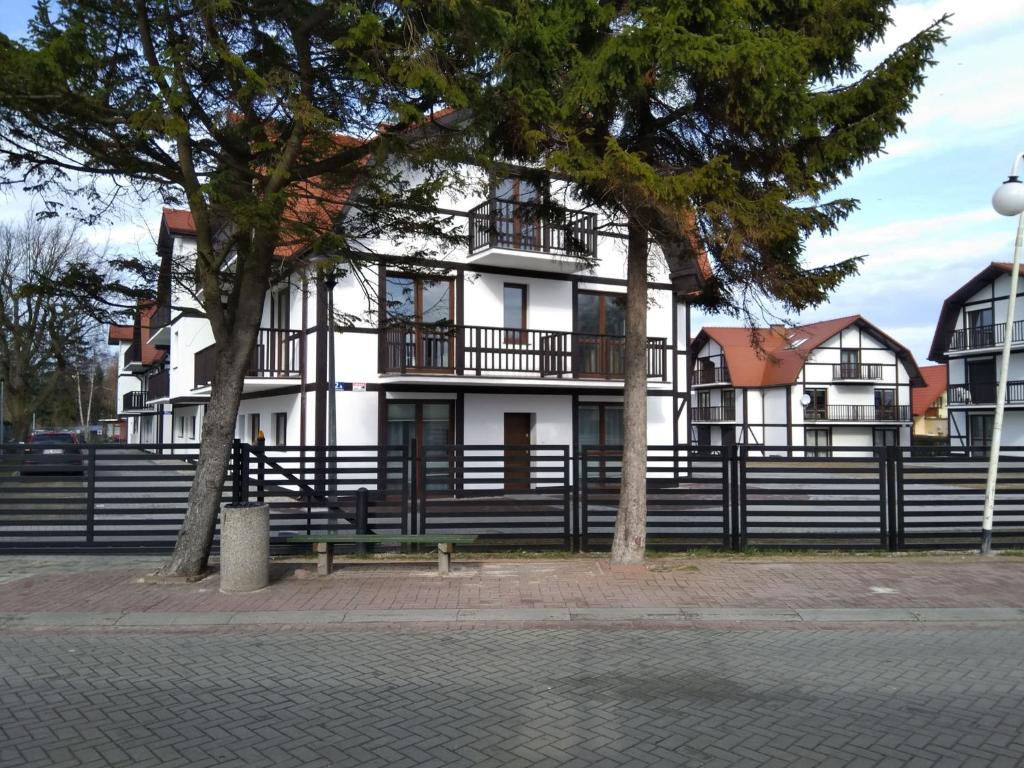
155, 620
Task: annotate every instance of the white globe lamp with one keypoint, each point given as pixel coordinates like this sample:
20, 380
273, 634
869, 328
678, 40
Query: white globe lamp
1008, 199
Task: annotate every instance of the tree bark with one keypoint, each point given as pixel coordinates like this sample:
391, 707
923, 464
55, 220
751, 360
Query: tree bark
631, 522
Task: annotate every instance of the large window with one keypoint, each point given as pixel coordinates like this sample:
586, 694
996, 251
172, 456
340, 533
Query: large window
979, 429
980, 330
601, 428
431, 424
818, 442
600, 328
419, 312
817, 406
885, 437
514, 298
849, 363
885, 403
516, 214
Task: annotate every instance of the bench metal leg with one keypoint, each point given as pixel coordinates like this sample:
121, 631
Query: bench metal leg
324, 558
444, 558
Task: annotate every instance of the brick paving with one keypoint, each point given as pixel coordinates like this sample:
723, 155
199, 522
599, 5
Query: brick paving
107, 585
910, 696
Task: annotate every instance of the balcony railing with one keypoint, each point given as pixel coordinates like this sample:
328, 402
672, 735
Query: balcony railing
135, 401
858, 413
984, 336
159, 386
857, 371
498, 223
475, 350
276, 356
714, 413
717, 375
984, 393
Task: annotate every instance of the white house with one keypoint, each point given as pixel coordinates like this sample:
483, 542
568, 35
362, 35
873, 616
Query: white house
516, 338
821, 386
969, 338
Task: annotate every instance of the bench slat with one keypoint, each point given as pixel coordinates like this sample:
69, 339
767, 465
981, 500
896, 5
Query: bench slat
383, 538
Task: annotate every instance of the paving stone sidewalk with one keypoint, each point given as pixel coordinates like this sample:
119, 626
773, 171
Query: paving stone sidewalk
110, 591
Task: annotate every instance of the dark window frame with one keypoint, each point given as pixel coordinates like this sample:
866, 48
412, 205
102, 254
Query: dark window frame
817, 451
515, 335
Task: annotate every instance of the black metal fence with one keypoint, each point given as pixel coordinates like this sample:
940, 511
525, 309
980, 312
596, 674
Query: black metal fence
116, 498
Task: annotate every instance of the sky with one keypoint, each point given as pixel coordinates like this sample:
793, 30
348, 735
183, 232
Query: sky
925, 223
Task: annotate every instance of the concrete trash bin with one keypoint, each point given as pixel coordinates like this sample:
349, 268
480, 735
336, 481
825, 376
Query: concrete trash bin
244, 547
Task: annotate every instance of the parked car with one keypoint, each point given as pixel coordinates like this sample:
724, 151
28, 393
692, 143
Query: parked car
53, 453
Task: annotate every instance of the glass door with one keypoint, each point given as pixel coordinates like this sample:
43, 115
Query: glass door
516, 214
420, 336
600, 334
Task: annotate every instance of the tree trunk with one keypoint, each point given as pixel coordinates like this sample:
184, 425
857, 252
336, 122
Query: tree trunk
631, 521
192, 548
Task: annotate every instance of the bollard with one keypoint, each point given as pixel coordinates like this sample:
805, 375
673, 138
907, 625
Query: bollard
244, 547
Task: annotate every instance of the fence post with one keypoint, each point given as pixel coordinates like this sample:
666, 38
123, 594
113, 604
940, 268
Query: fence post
741, 491
567, 505
883, 497
901, 542
414, 487
362, 517
90, 493
243, 473
727, 524
892, 500
582, 481
261, 465
236, 471
735, 525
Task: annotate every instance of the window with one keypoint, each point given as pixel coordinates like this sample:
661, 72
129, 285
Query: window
516, 214
885, 403
421, 313
601, 427
254, 427
886, 437
600, 328
515, 313
818, 442
728, 403
817, 407
431, 424
849, 363
979, 429
702, 435
980, 328
280, 429
981, 380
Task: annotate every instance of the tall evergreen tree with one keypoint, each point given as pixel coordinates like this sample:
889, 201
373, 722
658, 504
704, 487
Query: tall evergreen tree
260, 115
707, 126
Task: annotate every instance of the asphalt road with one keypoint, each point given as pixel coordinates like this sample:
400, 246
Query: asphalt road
529, 697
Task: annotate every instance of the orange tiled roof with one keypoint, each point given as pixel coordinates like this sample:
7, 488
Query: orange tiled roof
784, 350
935, 380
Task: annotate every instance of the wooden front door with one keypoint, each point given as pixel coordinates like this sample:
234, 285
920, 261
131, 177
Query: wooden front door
517, 454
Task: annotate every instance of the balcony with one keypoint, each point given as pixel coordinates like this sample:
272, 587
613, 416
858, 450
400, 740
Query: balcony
158, 386
508, 233
275, 357
135, 402
718, 374
713, 413
984, 393
856, 372
133, 357
858, 413
474, 350
160, 326
984, 336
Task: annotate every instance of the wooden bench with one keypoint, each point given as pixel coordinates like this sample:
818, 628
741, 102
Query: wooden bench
324, 544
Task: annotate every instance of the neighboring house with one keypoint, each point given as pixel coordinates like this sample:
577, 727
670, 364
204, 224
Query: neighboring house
142, 371
969, 338
819, 386
928, 403
516, 339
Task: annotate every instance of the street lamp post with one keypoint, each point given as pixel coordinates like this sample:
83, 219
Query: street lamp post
1008, 200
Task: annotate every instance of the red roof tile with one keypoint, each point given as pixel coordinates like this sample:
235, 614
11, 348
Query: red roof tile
783, 351
922, 398
119, 333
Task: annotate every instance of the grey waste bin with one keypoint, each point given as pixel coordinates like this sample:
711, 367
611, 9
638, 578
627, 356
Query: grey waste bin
244, 547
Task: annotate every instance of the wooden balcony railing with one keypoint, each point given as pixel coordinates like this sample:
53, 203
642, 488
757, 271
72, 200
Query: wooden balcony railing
158, 386
276, 355
716, 375
134, 353
714, 413
475, 350
858, 413
857, 371
498, 223
984, 336
135, 401
984, 393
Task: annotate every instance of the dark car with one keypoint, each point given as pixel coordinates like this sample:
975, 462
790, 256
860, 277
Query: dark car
53, 453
